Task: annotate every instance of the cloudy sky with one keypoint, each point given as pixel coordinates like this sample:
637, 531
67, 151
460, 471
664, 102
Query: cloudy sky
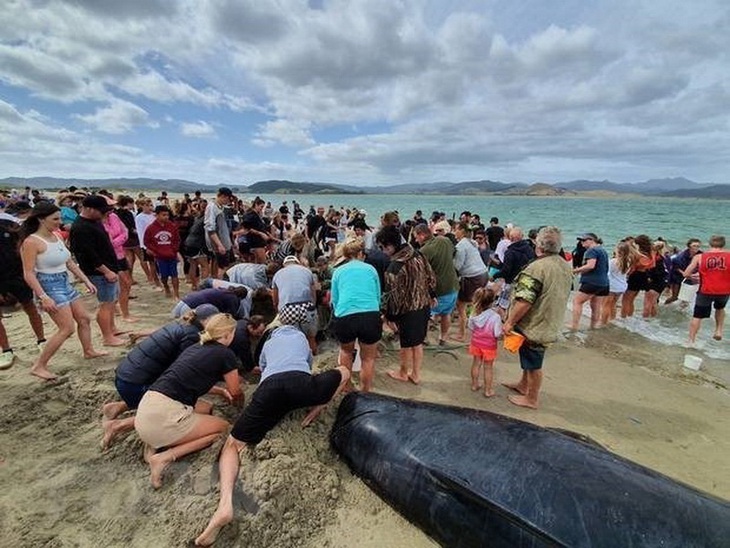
368, 92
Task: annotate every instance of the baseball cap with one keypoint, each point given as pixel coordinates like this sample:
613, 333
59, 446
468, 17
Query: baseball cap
96, 202
225, 191
289, 259
588, 236
205, 311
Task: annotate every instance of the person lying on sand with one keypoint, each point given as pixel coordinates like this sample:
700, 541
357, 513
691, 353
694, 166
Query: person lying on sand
286, 384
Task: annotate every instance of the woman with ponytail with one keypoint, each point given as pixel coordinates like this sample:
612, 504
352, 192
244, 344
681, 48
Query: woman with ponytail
170, 415
46, 263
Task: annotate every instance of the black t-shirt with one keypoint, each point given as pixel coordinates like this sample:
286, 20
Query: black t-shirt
92, 247
252, 220
127, 217
314, 223
12, 266
195, 371
241, 346
494, 234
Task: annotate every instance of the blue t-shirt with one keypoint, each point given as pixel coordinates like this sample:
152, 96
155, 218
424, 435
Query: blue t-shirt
355, 288
286, 350
294, 284
599, 275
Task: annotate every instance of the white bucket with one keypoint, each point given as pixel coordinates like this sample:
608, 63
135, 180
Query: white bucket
692, 362
687, 292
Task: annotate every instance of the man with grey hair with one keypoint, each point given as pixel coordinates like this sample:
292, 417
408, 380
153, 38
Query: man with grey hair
539, 299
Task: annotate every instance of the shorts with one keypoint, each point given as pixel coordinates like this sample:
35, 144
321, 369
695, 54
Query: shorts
445, 304
637, 281
301, 315
413, 327
162, 421
18, 289
531, 356
147, 257
467, 287
106, 292
58, 288
195, 252
167, 268
122, 265
131, 393
486, 354
366, 327
595, 290
280, 394
704, 303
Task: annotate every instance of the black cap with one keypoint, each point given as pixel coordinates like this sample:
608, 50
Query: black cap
225, 191
97, 202
21, 206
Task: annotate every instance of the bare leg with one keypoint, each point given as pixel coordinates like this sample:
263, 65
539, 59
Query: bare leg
489, 378
228, 465
406, 360
520, 387
176, 288
627, 303
63, 318
367, 371
36, 322
694, 327
125, 288
461, 309
160, 461
534, 382
112, 429
105, 319
417, 359
317, 410
111, 410
719, 323
345, 360
579, 300
476, 364
596, 307
166, 286
445, 324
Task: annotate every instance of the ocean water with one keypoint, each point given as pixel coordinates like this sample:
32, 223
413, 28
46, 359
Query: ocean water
612, 219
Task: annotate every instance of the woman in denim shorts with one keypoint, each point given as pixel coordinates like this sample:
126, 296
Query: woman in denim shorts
46, 263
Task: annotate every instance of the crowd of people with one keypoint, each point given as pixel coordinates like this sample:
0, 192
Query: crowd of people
261, 287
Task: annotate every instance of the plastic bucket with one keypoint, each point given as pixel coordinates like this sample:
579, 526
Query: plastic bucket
692, 362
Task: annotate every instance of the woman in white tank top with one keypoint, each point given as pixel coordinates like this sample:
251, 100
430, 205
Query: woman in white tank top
46, 263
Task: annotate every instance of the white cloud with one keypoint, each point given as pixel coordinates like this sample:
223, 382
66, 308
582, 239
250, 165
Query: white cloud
285, 132
119, 117
200, 129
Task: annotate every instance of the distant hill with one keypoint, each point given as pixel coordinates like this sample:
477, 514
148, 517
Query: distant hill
290, 187
670, 187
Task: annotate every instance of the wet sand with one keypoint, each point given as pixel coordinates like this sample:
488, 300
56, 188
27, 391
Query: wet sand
59, 489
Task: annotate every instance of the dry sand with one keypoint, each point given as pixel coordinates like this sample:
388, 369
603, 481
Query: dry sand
60, 490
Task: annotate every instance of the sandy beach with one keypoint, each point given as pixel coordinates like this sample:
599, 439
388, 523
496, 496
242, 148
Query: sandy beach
630, 395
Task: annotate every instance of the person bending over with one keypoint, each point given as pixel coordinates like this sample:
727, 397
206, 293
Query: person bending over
286, 384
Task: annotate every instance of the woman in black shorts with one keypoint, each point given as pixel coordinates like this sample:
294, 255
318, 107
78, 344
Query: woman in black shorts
356, 305
638, 279
410, 285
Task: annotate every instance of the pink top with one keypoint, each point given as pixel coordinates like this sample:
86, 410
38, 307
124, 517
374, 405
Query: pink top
118, 233
485, 329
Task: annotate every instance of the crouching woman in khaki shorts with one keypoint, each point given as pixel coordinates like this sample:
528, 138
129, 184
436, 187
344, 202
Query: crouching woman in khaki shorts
170, 416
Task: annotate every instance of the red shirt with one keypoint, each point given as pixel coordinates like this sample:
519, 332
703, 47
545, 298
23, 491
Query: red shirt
162, 241
715, 273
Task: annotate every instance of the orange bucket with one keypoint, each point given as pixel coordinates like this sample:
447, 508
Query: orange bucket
513, 341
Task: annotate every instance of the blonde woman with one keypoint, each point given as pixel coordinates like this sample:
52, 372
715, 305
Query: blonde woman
356, 305
170, 414
625, 257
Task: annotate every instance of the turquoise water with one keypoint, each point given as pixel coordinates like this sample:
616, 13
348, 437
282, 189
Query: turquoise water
675, 220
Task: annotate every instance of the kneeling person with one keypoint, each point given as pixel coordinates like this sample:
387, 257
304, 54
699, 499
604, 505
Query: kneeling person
286, 384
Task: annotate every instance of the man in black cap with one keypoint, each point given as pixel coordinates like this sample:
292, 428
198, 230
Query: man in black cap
93, 250
217, 232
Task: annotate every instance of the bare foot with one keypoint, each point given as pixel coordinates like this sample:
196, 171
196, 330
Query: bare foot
517, 387
158, 464
475, 387
414, 380
109, 434
111, 410
115, 341
44, 374
221, 518
459, 338
130, 319
91, 354
717, 337
489, 393
396, 375
312, 415
522, 401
